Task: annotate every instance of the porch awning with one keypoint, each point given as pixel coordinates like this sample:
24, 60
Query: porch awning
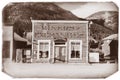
19, 38
111, 37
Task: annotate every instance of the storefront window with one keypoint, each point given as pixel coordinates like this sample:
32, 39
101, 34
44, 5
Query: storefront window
44, 49
75, 49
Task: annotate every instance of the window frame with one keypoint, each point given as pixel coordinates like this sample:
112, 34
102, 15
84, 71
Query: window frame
43, 41
75, 41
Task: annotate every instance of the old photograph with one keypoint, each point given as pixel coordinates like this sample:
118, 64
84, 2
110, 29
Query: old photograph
60, 39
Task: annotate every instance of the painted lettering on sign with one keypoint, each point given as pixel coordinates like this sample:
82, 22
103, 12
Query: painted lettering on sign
61, 30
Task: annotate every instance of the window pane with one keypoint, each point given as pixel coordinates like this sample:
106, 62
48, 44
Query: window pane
43, 50
75, 49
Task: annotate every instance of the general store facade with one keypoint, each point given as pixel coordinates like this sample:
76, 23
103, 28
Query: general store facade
60, 41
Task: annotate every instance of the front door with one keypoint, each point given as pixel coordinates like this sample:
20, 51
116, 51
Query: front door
60, 54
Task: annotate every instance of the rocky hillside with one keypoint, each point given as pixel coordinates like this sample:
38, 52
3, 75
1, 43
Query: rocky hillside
106, 18
19, 14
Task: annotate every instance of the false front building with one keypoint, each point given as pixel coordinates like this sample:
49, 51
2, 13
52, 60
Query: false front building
60, 41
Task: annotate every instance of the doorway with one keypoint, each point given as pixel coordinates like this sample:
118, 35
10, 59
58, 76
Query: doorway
60, 54
60, 51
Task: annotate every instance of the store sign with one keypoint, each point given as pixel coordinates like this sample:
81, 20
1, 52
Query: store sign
27, 52
61, 30
94, 57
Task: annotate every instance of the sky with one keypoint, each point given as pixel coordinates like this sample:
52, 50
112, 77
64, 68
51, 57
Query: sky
85, 9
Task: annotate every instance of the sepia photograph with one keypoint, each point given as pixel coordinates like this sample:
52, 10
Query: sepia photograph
73, 40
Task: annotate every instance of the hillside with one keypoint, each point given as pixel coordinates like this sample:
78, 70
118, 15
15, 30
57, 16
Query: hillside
19, 14
108, 19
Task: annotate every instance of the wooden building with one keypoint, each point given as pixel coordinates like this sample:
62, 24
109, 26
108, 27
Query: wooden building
59, 41
7, 42
14, 46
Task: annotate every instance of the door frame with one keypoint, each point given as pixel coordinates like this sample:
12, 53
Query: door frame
66, 56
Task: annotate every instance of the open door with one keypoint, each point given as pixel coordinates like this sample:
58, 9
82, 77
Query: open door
60, 51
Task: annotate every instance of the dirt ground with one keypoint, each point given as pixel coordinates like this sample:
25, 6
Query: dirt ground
59, 70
